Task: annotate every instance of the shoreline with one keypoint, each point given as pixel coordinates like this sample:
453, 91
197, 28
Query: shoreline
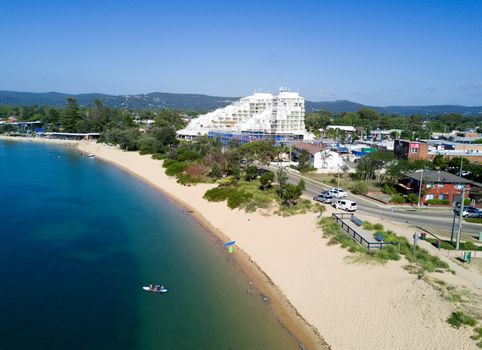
305, 334
312, 286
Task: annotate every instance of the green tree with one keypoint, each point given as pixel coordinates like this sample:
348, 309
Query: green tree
71, 115
266, 179
439, 162
282, 178
303, 159
291, 194
251, 172
368, 114
302, 185
216, 171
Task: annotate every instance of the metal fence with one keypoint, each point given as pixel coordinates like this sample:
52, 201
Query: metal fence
339, 219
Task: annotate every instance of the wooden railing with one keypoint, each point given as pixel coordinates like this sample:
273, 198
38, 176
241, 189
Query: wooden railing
339, 219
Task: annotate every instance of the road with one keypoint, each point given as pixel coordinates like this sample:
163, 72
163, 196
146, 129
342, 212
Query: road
437, 221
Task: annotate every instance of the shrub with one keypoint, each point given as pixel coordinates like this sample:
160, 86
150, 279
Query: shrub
459, 318
176, 168
360, 187
218, 194
397, 198
301, 185
158, 156
186, 179
168, 162
367, 225
216, 171
237, 198
412, 198
266, 179
251, 173
378, 227
474, 220
195, 170
389, 189
478, 336
438, 202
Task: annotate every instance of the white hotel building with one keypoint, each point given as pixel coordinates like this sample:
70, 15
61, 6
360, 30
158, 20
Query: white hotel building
260, 113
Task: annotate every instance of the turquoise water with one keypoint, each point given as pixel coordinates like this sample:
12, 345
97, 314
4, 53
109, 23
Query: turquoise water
78, 239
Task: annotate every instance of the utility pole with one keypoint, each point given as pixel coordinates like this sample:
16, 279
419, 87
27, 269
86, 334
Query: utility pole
461, 210
420, 190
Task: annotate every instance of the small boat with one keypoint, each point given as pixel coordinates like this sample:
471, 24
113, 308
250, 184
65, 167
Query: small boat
91, 155
155, 289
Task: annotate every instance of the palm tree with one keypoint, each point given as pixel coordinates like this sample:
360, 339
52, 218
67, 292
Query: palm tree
324, 156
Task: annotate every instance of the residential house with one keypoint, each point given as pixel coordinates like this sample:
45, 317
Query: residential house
320, 157
435, 185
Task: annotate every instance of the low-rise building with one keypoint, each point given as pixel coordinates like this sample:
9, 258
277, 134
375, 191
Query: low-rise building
435, 185
413, 150
321, 158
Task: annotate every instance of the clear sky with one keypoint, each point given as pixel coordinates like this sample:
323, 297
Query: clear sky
373, 52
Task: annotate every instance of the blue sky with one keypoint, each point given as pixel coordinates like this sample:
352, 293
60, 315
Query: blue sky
373, 52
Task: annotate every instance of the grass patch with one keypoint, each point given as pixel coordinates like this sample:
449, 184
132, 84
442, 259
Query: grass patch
451, 294
370, 227
459, 319
449, 246
303, 206
337, 236
421, 261
378, 227
474, 220
478, 336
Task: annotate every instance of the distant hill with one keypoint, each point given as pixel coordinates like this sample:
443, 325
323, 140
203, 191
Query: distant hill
197, 102
154, 100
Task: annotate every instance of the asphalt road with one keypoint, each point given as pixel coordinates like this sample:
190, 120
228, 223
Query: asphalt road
437, 221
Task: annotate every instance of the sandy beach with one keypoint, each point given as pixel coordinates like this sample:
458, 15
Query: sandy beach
352, 305
316, 290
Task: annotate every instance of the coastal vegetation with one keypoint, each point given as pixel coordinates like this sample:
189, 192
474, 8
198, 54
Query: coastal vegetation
420, 260
458, 319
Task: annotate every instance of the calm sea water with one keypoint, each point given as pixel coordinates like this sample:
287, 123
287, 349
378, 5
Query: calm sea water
78, 239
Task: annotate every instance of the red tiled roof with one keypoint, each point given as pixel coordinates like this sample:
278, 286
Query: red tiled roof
310, 147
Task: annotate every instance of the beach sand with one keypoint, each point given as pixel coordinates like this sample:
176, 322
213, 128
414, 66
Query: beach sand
352, 305
314, 288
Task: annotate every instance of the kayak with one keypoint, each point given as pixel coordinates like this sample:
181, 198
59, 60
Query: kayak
153, 290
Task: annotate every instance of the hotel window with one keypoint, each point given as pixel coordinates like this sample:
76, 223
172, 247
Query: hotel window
441, 185
459, 186
429, 196
430, 185
413, 150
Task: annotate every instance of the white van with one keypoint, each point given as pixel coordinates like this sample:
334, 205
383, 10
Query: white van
345, 204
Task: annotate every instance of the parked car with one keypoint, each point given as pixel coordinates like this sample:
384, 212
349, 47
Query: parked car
468, 212
345, 204
323, 198
337, 193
